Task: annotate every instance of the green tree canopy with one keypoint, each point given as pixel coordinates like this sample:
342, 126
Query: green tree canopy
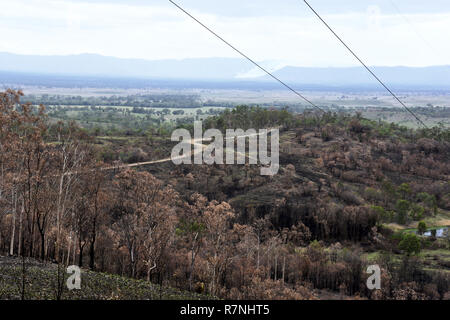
422, 227
410, 244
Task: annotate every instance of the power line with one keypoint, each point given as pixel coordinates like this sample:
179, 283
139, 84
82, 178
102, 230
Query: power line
365, 66
248, 58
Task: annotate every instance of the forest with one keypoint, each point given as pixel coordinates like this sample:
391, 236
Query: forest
350, 192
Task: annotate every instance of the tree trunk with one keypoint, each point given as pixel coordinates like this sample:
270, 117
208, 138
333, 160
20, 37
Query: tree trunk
46, 248
92, 255
13, 231
149, 270
276, 267
80, 248
68, 248
74, 253
19, 249
92, 246
42, 245
193, 256
31, 247
58, 215
80, 256
132, 270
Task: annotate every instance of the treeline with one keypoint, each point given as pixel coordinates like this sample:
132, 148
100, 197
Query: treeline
138, 100
245, 117
144, 100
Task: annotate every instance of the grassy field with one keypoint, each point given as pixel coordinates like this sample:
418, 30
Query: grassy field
442, 219
435, 260
124, 118
41, 283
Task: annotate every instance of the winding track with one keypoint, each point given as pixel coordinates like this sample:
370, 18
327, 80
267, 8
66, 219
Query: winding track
193, 142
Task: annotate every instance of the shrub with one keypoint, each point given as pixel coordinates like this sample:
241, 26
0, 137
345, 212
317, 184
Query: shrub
422, 227
410, 244
402, 207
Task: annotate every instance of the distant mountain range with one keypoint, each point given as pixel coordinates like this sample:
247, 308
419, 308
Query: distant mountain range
424, 76
97, 65
223, 69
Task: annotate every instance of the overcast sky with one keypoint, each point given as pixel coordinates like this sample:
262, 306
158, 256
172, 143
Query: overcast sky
280, 32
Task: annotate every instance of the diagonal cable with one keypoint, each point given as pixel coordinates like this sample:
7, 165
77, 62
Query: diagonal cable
248, 58
365, 66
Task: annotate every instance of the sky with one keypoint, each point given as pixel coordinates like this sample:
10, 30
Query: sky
277, 32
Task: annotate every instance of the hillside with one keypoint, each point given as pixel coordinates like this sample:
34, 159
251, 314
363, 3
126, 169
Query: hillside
350, 192
41, 283
346, 184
